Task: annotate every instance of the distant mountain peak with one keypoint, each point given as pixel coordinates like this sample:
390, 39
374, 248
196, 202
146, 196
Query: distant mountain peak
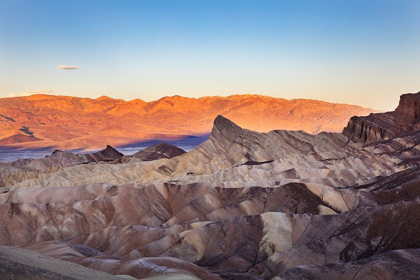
104, 97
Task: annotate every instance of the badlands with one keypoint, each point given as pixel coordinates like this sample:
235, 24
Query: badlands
242, 205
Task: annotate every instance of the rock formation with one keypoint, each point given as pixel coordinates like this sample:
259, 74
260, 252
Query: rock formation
388, 125
158, 151
18, 263
72, 123
242, 205
65, 159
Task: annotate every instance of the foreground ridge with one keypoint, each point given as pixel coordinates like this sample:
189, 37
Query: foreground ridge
242, 205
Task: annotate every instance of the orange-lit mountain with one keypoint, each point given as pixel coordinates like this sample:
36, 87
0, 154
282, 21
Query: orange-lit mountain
71, 122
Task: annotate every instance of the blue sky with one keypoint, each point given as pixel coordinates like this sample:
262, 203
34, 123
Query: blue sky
357, 52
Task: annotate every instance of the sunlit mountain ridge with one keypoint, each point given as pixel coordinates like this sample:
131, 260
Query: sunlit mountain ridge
71, 122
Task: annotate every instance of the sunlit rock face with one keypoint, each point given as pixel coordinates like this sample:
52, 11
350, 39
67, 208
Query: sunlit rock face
242, 205
66, 122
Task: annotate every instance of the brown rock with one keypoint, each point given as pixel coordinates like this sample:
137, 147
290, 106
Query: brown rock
158, 151
386, 125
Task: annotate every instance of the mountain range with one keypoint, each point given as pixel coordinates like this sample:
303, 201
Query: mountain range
64, 122
242, 205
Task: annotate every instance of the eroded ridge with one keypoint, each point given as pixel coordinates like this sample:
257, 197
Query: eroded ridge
242, 205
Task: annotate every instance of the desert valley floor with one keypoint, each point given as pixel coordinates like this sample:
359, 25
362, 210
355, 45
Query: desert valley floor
241, 205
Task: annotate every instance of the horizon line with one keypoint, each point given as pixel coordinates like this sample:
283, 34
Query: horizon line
195, 98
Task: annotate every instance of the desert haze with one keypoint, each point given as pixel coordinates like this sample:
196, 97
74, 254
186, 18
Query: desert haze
81, 123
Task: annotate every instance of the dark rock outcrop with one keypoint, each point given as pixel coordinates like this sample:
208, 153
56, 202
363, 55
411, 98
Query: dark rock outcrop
158, 151
108, 154
384, 126
65, 159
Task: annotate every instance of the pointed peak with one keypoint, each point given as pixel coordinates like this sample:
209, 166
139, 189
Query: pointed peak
225, 128
56, 152
221, 121
110, 148
109, 151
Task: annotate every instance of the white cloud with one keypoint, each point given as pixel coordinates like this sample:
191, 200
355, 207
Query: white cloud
67, 67
28, 93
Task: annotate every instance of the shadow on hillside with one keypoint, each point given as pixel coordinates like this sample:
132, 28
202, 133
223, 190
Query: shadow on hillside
187, 143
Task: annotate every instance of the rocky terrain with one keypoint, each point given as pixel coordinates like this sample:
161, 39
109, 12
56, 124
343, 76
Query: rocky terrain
158, 151
18, 263
67, 123
242, 205
404, 119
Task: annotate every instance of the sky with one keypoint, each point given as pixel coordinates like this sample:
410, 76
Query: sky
362, 52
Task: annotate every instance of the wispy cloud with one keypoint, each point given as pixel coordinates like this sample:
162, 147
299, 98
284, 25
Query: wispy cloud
67, 67
28, 93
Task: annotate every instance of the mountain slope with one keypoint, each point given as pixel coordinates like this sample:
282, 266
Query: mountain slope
70, 122
16, 263
242, 205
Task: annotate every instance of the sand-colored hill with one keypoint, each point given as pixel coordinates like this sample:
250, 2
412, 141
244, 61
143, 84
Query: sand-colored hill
69, 122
